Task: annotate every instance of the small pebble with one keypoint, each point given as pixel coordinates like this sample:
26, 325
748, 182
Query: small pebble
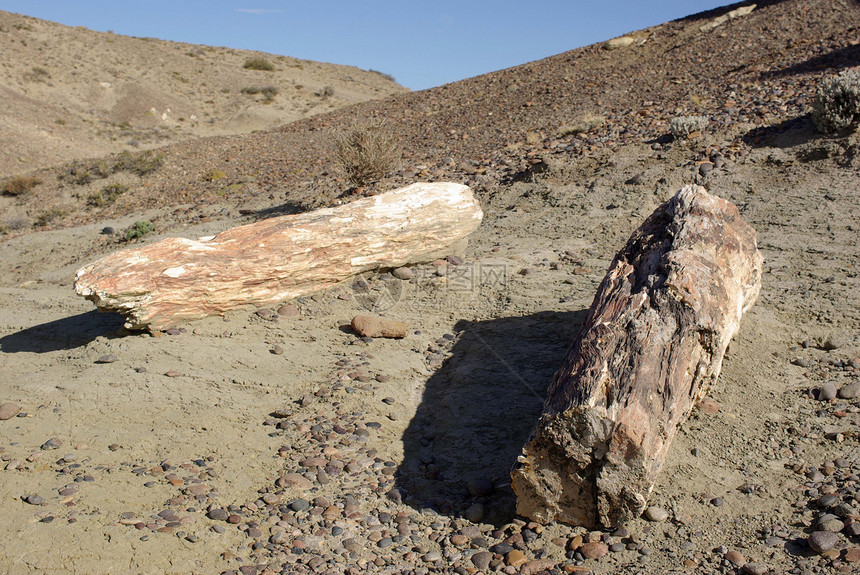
850, 391
657, 514
106, 359
755, 569
827, 391
52, 443
34, 499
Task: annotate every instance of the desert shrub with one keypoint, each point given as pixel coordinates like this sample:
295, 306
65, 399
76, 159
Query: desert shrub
106, 196
583, 124
384, 75
141, 164
138, 230
12, 223
325, 92
837, 102
268, 92
214, 175
17, 185
48, 216
366, 154
259, 63
683, 126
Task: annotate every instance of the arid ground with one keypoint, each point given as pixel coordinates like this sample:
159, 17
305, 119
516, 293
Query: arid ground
277, 441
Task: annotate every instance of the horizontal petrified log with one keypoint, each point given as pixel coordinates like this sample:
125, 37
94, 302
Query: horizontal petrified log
176, 279
652, 344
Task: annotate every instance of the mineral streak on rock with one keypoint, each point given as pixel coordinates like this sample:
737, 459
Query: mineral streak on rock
177, 279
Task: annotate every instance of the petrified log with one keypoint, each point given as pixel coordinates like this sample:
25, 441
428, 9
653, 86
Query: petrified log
178, 279
650, 347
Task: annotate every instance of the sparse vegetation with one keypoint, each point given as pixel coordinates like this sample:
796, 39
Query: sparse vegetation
48, 216
142, 164
584, 124
18, 185
325, 92
836, 106
682, 126
106, 196
259, 63
366, 154
268, 92
138, 230
12, 224
384, 75
214, 175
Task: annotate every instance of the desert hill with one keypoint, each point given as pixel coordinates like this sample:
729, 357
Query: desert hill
73, 93
276, 441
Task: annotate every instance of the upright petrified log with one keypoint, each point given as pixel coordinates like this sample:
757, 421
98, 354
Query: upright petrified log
178, 279
651, 346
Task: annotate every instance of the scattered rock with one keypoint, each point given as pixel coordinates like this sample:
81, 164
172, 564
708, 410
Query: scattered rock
106, 359
832, 343
755, 569
827, 391
288, 310
594, 550
616, 43
515, 558
9, 410
482, 559
850, 391
656, 514
735, 558
403, 273
34, 499
822, 541
369, 326
479, 487
52, 443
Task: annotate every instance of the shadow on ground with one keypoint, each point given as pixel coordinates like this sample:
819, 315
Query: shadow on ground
66, 333
477, 412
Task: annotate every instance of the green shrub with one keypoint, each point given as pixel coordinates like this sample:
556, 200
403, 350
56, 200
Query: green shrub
17, 185
683, 126
837, 103
214, 175
366, 154
259, 63
138, 230
106, 196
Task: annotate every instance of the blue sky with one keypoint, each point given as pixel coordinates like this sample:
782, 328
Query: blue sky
421, 44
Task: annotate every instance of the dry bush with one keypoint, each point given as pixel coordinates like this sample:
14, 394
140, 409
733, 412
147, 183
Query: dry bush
17, 185
365, 154
259, 63
836, 106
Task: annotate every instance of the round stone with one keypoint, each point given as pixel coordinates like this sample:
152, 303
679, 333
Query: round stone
480, 487
755, 569
850, 391
482, 559
822, 541
594, 550
8, 410
827, 391
657, 514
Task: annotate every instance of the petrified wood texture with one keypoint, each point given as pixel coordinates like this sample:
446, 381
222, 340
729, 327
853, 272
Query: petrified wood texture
177, 279
650, 347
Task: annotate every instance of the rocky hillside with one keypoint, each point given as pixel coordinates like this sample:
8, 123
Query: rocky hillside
71, 92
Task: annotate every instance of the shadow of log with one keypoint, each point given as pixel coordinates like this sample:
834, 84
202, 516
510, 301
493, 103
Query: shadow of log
66, 333
477, 411
787, 134
839, 59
